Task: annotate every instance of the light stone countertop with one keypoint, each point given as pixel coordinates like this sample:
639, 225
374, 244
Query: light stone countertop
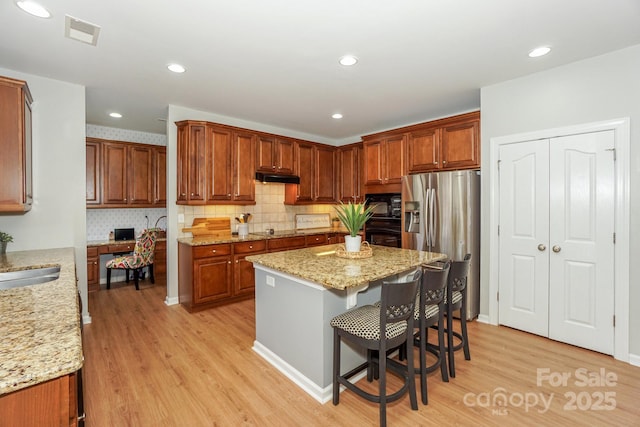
251, 237
319, 264
39, 324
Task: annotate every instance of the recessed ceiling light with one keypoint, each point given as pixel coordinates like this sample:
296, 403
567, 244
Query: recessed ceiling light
337, 116
34, 9
539, 51
176, 68
116, 115
348, 60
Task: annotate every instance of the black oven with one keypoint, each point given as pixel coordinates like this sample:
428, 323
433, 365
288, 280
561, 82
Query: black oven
384, 228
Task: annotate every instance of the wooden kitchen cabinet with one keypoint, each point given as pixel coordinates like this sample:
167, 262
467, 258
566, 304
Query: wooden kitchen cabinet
384, 162
51, 403
244, 158
125, 174
447, 144
204, 275
219, 161
16, 191
316, 240
275, 155
93, 269
243, 273
286, 243
350, 173
160, 176
317, 170
191, 163
160, 258
94, 174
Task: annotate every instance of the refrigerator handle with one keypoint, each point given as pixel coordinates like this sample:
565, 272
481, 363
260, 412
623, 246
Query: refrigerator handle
426, 219
432, 221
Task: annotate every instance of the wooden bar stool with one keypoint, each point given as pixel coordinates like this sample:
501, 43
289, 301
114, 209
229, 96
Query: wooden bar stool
457, 301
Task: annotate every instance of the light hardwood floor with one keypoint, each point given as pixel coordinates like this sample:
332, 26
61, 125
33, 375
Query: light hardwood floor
147, 364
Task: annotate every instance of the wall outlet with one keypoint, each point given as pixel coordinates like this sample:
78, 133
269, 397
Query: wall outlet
181, 218
271, 281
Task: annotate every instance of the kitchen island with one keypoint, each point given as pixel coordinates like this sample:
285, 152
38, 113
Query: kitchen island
298, 292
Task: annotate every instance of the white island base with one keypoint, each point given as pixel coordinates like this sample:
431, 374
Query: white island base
293, 332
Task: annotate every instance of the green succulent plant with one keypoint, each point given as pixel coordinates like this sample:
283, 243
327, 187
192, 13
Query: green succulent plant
354, 215
5, 237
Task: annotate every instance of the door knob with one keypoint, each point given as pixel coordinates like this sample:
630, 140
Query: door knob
557, 249
541, 247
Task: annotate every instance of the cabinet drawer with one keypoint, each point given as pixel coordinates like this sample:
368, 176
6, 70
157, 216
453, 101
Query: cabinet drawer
121, 247
211, 251
286, 243
316, 239
92, 251
248, 247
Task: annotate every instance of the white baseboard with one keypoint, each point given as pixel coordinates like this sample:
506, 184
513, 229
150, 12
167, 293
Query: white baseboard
483, 318
634, 359
171, 301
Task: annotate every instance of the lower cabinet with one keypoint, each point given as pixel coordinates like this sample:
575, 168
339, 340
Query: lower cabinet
51, 403
93, 269
212, 275
160, 259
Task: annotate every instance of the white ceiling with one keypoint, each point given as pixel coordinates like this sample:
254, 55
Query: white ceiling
276, 61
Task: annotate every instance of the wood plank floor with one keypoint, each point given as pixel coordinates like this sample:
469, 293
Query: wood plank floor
147, 364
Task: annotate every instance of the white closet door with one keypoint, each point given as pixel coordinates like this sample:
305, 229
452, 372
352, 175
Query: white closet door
581, 279
524, 236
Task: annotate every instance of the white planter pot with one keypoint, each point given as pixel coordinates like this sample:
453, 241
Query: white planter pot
352, 244
243, 230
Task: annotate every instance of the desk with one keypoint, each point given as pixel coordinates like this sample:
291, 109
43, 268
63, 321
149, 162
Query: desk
99, 247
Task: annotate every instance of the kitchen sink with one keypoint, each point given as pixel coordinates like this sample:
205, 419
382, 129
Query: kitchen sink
34, 276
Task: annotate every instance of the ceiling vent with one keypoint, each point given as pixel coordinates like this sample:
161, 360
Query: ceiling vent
80, 30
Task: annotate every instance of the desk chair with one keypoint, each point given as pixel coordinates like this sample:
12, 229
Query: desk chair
143, 254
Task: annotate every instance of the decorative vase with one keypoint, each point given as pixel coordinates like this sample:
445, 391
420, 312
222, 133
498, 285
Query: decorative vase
352, 244
3, 248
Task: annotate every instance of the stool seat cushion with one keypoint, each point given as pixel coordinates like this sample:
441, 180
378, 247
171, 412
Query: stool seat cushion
430, 311
456, 296
364, 322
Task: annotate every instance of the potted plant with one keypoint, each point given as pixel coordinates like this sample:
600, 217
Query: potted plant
4, 239
335, 222
353, 216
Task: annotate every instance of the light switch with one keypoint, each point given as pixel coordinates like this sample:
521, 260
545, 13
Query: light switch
181, 218
271, 281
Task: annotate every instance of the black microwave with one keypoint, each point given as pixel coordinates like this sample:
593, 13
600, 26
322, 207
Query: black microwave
386, 205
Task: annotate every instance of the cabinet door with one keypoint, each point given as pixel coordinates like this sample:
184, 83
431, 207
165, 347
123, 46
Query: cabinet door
316, 240
140, 175
265, 154
182, 164
305, 157
160, 176
219, 161
197, 163
211, 279
244, 275
93, 173
244, 147
160, 259
461, 145
285, 156
423, 150
394, 160
373, 162
349, 176
325, 172
114, 173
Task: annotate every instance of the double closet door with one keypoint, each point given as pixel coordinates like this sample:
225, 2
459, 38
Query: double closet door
556, 265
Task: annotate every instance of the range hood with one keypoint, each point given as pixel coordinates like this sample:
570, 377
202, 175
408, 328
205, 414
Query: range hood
272, 177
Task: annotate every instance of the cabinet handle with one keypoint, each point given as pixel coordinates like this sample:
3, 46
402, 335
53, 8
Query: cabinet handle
273, 167
213, 250
250, 246
228, 194
236, 261
444, 162
228, 262
191, 194
183, 194
435, 163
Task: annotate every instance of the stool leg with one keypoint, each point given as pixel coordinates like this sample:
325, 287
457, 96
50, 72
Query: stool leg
423, 363
452, 368
463, 328
126, 275
151, 276
108, 278
442, 348
336, 366
382, 366
136, 273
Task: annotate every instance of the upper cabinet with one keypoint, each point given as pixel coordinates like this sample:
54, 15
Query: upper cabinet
316, 166
16, 191
275, 155
125, 174
384, 162
446, 144
349, 175
216, 164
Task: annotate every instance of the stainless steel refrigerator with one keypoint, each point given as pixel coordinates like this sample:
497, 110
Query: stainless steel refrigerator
441, 213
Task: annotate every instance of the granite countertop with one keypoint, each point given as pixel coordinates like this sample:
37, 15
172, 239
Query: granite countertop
214, 240
319, 264
39, 324
92, 243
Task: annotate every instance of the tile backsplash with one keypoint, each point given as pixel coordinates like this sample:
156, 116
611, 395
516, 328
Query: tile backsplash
101, 221
268, 212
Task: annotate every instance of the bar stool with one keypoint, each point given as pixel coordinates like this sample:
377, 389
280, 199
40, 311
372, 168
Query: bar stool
457, 301
430, 313
363, 327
